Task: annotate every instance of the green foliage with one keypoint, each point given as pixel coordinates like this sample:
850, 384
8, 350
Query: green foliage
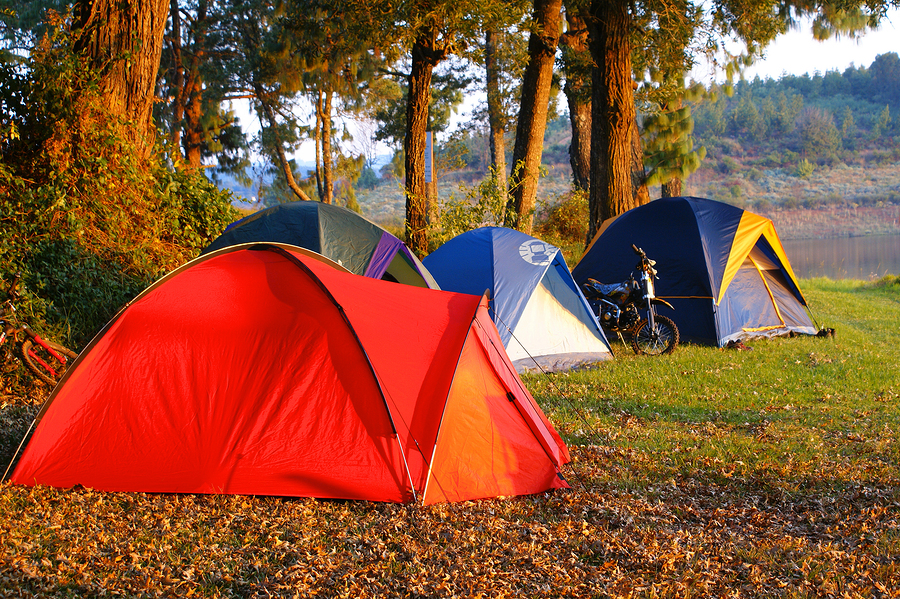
484, 205
793, 114
347, 172
804, 169
86, 224
819, 137
669, 144
447, 88
367, 178
792, 203
882, 122
728, 165
564, 223
889, 282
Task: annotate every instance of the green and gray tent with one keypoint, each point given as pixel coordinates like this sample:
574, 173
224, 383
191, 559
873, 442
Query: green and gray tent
345, 237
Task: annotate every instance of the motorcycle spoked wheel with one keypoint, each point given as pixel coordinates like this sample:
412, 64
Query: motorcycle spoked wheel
663, 340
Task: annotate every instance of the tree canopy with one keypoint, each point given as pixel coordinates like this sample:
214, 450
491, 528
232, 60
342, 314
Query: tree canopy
406, 64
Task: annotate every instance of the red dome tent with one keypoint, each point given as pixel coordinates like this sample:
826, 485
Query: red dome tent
264, 371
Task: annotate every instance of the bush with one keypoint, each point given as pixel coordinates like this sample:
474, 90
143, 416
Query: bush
564, 223
804, 169
367, 178
84, 221
484, 205
762, 204
728, 165
887, 282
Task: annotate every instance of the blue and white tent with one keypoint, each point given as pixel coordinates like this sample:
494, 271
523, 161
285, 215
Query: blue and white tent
544, 320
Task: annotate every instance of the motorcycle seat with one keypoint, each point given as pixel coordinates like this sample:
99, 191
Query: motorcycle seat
607, 288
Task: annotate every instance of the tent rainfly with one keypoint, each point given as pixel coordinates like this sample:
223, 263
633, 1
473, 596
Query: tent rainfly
360, 246
260, 370
722, 268
544, 320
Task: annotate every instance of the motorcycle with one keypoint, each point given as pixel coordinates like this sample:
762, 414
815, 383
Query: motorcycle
619, 308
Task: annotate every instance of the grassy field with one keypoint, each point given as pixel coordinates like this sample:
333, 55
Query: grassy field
771, 472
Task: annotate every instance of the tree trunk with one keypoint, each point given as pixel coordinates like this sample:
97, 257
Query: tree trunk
613, 113
418, 209
580, 146
278, 145
193, 120
578, 96
671, 188
495, 110
320, 175
178, 66
123, 40
193, 92
536, 83
327, 159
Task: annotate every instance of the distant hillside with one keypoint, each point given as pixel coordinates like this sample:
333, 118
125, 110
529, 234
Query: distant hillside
826, 143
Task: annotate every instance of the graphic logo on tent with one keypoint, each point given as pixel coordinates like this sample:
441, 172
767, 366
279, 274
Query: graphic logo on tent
536, 252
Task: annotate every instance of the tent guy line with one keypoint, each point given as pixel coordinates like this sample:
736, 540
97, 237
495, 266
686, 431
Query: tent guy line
593, 432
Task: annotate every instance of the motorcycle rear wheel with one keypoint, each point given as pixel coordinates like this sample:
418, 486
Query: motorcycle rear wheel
663, 340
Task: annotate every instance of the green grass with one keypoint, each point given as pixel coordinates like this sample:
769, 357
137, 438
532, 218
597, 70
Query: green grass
791, 414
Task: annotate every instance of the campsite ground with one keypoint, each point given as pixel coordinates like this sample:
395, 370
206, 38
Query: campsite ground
771, 472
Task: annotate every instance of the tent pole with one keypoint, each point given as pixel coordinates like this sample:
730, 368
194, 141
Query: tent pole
768, 290
511, 397
340, 309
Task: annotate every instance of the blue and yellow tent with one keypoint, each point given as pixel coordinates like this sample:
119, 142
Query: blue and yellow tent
722, 268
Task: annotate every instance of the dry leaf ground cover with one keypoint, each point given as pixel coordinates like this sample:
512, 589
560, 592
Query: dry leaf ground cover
708, 473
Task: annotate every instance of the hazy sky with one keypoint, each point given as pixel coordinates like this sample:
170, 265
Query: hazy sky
796, 52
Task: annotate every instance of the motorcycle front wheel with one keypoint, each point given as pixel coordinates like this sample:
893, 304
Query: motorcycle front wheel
662, 340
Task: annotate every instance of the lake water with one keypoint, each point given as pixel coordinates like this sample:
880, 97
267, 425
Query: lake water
863, 258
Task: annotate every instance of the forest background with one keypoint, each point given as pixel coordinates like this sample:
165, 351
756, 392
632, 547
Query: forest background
114, 142
818, 153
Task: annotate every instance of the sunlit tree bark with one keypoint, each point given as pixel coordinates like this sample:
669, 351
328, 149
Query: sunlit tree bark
536, 85
123, 41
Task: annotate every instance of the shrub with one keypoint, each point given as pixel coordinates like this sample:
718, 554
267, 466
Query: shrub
763, 204
564, 223
728, 165
804, 169
84, 221
483, 205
